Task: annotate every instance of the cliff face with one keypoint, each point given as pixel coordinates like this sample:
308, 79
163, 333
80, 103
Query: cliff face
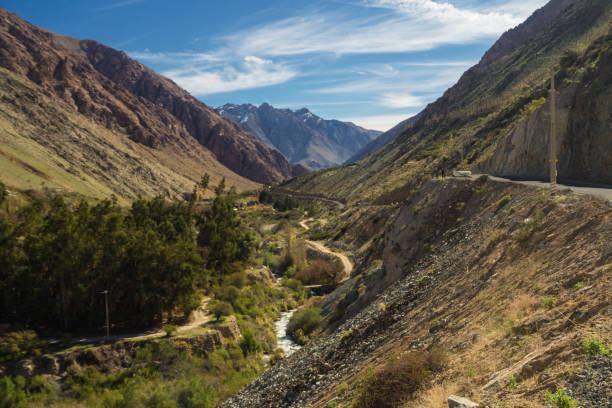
108, 87
301, 136
584, 145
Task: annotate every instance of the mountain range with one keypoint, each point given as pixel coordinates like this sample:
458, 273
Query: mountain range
496, 118
82, 117
301, 136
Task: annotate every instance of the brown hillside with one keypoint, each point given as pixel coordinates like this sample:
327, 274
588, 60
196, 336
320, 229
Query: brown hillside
117, 93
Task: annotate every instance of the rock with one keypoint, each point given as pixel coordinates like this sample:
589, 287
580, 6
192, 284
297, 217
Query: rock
460, 402
200, 345
25, 368
47, 365
229, 330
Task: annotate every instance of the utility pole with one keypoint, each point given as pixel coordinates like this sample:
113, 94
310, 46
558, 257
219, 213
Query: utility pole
552, 154
106, 304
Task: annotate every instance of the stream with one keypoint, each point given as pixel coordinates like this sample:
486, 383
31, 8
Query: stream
284, 341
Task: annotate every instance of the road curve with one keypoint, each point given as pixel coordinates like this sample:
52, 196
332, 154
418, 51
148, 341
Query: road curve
596, 191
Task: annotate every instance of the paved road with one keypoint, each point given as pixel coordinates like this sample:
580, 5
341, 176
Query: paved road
603, 192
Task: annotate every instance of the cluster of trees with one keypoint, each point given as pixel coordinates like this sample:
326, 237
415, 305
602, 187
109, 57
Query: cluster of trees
56, 258
281, 204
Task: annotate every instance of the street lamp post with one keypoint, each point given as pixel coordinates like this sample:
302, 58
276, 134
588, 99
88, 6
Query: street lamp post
553, 133
107, 319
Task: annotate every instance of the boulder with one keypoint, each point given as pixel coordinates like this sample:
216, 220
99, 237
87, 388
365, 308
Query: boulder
460, 402
229, 330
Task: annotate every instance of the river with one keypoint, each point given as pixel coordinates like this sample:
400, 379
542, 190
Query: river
284, 341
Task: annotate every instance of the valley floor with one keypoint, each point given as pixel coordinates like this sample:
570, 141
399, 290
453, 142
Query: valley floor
512, 282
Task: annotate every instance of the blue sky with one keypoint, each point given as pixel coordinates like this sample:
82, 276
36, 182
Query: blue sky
373, 62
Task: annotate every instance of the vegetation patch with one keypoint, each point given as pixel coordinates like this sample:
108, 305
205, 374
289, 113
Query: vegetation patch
398, 380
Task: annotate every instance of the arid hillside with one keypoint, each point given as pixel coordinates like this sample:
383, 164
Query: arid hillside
80, 116
505, 282
496, 119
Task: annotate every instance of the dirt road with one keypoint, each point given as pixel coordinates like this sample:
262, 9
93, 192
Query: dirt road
319, 246
198, 318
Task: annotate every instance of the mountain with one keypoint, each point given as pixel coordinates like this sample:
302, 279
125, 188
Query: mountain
496, 119
84, 117
301, 136
382, 140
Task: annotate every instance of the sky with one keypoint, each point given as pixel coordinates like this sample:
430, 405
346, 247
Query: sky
372, 62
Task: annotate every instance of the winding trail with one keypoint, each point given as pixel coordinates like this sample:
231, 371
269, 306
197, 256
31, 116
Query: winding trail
319, 246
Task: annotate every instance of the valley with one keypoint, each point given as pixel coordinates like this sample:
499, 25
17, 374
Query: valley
158, 253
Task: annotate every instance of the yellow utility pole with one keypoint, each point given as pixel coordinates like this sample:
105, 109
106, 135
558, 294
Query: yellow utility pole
552, 154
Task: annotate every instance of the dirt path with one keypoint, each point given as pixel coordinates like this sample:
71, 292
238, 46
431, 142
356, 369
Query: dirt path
346, 262
319, 246
304, 225
198, 318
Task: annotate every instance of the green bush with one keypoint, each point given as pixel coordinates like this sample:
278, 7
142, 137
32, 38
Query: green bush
504, 200
399, 379
170, 329
549, 301
307, 320
595, 347
12, 394
560, 399
20, 344
221, 308
249, 344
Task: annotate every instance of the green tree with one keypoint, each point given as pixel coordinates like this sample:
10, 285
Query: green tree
249, 344
220, 188
204, 181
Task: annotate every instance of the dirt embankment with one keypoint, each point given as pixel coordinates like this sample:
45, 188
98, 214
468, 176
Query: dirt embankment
507, 278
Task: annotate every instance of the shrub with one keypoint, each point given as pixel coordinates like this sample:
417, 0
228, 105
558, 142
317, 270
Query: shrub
307, 320
595, 347
221, 308
249, 344
20, 344
549, 301
504, 200
320, 271
512, 381
170, 329
399, 379
560, 399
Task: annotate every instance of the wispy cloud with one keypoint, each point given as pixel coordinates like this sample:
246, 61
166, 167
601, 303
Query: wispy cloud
252, 72
400, 100
119, 4
278, 51
397, 26
379, 122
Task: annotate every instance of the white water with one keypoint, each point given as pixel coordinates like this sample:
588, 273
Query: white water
284, 341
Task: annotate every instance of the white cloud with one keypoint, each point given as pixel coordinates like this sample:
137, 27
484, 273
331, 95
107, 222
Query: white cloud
252, 72
119, 4
379, 122
400, 100
399, 26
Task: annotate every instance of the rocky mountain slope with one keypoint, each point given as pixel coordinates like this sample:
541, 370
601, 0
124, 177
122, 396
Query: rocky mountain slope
382, 140
301, 136
66, 99
506, 279
496, 118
